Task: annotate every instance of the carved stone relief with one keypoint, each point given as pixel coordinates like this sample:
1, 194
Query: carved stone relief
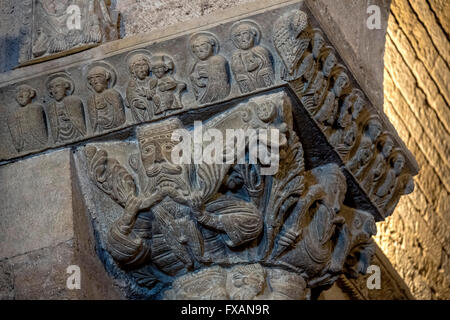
203, 230
139, 68
106, 110
165, 90
209, 75
27, 124
339, 109
65, 24
65, 112
250, 62
247, 234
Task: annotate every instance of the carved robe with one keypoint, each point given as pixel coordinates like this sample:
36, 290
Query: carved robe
252, 69
177, 240
28, 127
67, 120
137, 100
210, 80
375, 172
106, 110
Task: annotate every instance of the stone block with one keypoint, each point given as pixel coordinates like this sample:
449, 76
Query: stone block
35, 203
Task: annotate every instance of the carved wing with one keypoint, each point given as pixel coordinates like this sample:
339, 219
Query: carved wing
109, 175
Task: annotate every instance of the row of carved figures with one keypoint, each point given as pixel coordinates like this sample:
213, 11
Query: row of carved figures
152, 90
340, 110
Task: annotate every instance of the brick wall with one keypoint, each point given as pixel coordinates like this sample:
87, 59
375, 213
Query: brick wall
416, 238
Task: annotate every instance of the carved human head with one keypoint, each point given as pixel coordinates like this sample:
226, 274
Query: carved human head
160, 65
244, 35
156, 144
203, 46
139, 66
373, 128
25, 94
58, 87
333, 181
365, 150
345, 115
98, 78
350, 135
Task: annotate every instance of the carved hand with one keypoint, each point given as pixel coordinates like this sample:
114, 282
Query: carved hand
151, 200
289, 238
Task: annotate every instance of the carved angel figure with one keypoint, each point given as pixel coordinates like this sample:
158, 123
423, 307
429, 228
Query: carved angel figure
139, 68
209, 76
251, 63
27, 125
66, 112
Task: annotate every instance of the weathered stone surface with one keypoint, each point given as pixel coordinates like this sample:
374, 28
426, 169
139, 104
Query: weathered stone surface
41, 274
138, 83
27, 222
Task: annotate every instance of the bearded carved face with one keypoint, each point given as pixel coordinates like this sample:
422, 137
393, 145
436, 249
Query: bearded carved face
334, 183
329, 63
98, 79
156, 149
